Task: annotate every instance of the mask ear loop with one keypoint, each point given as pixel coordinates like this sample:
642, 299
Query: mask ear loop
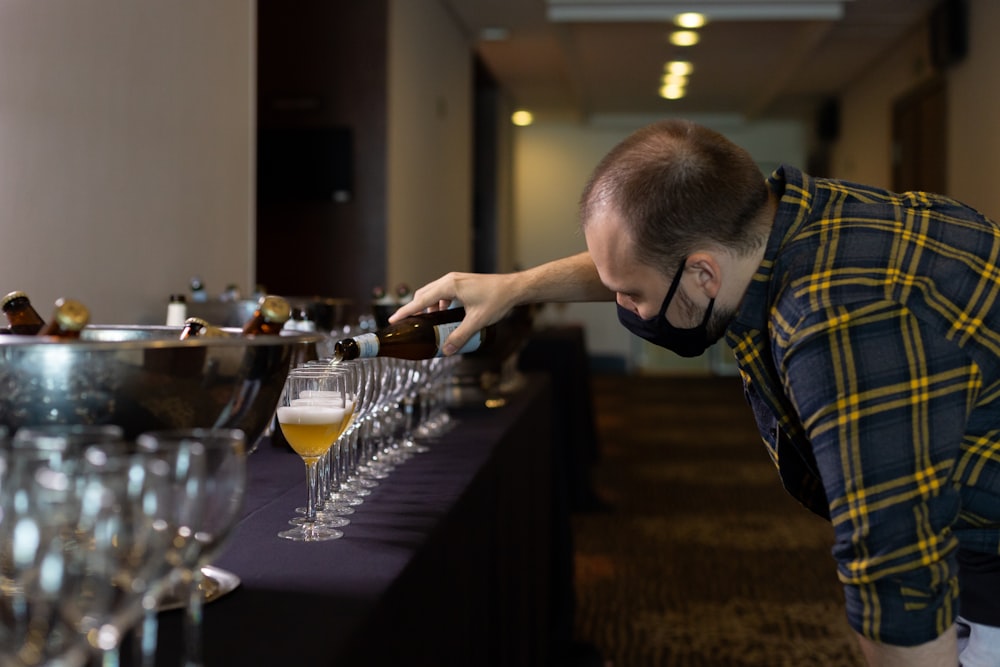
674, 284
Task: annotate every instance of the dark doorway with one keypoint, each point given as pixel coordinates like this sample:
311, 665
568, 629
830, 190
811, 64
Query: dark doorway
920, 141
486, 162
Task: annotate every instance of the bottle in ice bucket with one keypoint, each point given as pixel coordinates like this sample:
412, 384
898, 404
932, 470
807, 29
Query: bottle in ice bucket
383, 305
417, 337
68, 320
269, 318
196, 327
22, 318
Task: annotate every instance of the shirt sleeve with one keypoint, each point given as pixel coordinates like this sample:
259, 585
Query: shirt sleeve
884, 402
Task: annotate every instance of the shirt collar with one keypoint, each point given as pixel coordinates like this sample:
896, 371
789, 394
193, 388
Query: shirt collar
795, 192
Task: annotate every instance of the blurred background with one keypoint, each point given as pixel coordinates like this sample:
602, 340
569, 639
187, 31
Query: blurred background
324, 147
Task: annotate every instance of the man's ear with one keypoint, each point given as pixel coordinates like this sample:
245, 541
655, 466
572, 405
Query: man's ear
707, 269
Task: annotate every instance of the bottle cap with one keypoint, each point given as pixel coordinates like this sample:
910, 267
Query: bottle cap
71, 315
10, 297
275, 308
178, 298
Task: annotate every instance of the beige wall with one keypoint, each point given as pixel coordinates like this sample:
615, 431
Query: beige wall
864, 151
974, 114
430, 144
125, 150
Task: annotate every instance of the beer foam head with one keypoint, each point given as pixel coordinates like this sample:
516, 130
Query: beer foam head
317, 413
337, 401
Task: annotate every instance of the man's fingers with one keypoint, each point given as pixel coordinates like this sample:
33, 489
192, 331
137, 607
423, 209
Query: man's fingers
457, 340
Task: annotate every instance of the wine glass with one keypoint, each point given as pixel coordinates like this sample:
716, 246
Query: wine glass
79, 452
411, 402
223, 494
355, 482
37, 505
184, 460
341, 494
311, 422
121, 540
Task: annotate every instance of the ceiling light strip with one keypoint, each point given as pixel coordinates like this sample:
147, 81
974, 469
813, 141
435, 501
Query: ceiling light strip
636, 12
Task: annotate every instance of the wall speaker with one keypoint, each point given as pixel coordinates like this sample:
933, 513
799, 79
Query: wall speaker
949, 33
828, 120
307, 164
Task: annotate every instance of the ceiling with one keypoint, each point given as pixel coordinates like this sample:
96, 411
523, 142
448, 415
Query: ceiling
581, 59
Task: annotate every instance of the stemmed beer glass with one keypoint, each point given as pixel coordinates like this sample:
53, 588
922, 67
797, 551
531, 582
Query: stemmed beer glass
312, 415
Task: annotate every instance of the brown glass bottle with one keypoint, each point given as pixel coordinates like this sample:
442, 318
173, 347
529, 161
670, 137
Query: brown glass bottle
196, 327
68, 319
22, 318
416, 337
269, 318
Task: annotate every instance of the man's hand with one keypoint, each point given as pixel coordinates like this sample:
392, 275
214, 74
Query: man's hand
489, 297
486, 298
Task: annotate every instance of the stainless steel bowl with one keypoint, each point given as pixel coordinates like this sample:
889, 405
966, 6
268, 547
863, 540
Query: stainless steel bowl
144, 378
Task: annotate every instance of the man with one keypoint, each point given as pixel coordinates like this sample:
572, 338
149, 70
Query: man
866, 326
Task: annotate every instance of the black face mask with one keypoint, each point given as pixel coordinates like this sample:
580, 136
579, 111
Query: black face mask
658, 331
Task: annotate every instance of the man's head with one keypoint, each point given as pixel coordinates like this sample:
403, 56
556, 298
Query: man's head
678, 186
676, 206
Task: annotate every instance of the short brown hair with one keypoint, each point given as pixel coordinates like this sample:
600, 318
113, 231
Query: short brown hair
676, 185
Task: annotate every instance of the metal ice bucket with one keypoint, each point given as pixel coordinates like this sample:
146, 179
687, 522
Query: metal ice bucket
143, 378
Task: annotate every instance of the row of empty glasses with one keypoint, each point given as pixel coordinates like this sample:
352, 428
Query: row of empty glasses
353, 422
97, 533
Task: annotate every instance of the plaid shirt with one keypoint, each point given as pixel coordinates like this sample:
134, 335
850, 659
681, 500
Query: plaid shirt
869, 345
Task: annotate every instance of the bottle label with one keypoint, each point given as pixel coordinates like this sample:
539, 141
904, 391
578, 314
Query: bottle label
368, 345
442, 331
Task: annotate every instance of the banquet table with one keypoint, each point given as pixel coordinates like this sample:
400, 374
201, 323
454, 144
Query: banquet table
448, 562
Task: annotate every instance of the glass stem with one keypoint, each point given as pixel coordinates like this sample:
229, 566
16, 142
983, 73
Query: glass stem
312, 487
193, 620
146, 635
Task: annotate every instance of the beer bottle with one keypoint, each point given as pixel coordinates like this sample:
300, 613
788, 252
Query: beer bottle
270, 316
196, 327
68, 320
22, 317
417, 337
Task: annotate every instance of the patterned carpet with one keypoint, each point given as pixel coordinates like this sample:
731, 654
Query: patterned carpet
702, 559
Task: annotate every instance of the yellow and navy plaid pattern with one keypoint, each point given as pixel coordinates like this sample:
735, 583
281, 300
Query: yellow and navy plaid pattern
869, 344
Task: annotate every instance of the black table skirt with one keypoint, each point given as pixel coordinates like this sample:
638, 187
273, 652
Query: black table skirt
448, 562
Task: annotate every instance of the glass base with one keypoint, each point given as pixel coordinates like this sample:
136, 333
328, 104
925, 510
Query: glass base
311, 532
322, 520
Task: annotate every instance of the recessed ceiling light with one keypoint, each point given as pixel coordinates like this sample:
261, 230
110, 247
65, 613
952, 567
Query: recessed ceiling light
522, 118
675, 79
689, 20
672, 92
682, 67
684, 38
